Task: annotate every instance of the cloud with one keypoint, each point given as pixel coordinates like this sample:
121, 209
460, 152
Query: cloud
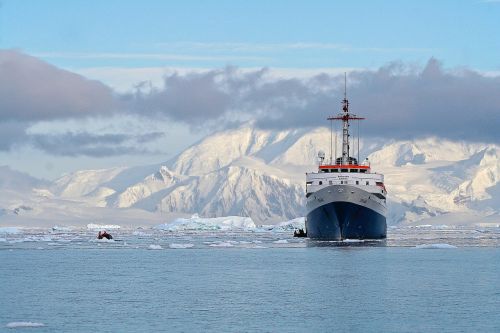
460, 104
93, 145
32, 90
278, 47
192, 98
147, 56
12, 133
399, 101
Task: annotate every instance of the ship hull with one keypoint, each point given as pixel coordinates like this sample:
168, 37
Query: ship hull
345, 212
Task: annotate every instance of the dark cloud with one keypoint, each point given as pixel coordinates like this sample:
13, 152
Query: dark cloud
32, 90
12, 133
94, 145
452, 104
399, 101
195, 98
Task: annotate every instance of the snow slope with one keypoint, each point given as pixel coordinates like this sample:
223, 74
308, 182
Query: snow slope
260, 174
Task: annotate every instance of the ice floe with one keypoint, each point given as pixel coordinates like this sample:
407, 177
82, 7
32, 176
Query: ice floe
436, 246
180, 246
155, 247
140, 233
281, 241
18, 324
221, 244
61, 228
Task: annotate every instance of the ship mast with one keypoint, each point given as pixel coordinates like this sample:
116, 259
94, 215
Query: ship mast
345, 116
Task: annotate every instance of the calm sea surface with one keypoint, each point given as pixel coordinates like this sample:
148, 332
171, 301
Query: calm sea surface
149, 281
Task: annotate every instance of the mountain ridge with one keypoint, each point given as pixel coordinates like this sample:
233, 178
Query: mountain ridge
260, 174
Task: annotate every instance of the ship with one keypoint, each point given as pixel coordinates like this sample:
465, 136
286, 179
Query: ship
344, 198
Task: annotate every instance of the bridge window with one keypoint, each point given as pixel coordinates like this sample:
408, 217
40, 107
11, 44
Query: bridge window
335, 170
367, 183
357, 182
320, 182
344, 170
362, 170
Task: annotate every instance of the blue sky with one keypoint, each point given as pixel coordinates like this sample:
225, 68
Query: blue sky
299, 34
122, 43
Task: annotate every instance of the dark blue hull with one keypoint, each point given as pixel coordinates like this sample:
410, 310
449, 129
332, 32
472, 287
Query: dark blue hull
345, 220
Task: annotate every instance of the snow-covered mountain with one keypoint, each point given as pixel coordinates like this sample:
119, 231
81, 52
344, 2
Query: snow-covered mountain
260, 174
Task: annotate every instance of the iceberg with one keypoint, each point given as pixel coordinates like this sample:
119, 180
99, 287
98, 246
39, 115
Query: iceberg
286, 226
93, 226
196, 223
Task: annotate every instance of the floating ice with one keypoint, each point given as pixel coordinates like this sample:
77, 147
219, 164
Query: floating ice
155, 247
286, 226
441, 226
281, 241
16, 324
423, 226
207, 224
140, 233
436, 246
93, 226
60, 228
180, 246
353, 240
222, 244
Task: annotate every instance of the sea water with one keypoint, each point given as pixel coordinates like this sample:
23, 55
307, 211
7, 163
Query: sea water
418, 280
